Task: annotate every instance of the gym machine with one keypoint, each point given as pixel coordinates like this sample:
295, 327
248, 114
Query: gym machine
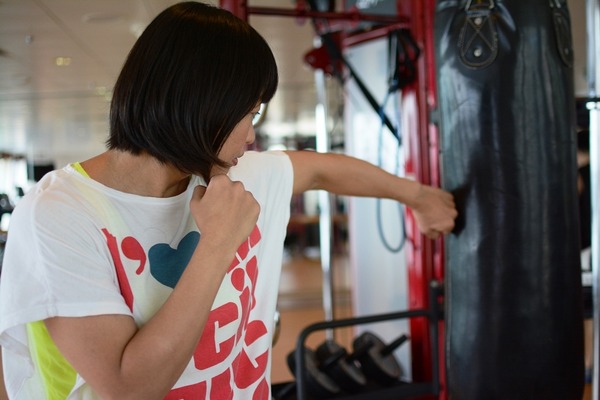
513, 290
425, 257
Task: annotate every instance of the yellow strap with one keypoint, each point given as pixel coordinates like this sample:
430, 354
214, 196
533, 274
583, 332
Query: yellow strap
77, 167
56, 372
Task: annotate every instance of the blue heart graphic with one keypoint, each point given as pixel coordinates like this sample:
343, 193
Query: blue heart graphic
167, 264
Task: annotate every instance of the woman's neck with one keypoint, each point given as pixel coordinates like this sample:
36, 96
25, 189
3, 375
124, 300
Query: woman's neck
142, 174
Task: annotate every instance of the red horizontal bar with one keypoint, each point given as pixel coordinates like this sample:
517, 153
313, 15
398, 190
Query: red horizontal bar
358, 37
350, 16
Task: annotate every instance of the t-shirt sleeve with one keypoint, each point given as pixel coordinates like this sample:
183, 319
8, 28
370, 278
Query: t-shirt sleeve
56, 263
268, 174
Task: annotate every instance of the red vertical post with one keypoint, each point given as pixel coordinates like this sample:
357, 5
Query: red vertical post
239, 8
425, 257
430, 93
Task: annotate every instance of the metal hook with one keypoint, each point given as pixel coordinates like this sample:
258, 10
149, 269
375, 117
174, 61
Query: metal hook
491, 5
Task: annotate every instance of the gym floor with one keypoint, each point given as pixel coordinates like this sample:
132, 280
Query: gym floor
300, 304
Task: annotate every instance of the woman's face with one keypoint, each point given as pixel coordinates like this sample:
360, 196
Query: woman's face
234, 147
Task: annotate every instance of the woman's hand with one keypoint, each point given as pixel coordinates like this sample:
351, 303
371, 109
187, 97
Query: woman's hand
225, 212
434, 211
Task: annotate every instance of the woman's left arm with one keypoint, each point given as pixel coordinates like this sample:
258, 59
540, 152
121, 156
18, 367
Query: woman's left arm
433, 208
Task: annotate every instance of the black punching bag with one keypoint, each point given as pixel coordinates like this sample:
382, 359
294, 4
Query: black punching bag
514, 319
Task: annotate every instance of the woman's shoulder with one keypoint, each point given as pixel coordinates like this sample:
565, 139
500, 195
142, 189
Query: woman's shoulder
262, 159
264, 170
61, 195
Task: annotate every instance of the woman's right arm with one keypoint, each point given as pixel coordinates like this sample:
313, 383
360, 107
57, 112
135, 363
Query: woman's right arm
120, 361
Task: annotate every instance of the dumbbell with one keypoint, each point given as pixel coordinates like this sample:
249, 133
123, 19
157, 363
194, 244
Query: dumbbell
376, 359
318, 383
331, 369
334, 361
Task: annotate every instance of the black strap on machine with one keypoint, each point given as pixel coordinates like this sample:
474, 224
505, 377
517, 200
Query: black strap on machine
404, 53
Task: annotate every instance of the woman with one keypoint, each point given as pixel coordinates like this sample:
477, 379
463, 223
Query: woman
150, 271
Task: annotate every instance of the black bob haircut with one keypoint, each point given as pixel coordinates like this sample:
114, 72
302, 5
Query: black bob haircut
193, 74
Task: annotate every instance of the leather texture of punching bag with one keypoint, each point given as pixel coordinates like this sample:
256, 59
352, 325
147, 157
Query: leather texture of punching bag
514, 321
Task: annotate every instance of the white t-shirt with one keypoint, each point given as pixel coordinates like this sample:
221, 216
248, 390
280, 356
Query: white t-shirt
78, 248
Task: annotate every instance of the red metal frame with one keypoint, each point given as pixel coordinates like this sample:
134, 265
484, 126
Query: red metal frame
425, 257
242, 10
239, 8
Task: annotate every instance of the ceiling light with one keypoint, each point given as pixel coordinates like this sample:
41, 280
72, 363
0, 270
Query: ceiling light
101, 18
137, 28
62, 61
